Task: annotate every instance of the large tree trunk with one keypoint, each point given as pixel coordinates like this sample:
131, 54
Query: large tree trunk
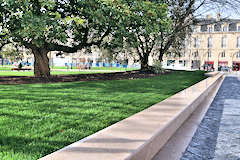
160, 58
144, 62
41, 63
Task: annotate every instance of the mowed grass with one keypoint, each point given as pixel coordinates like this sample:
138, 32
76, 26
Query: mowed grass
6, 71
5, 68
98, 68
113, 68
30, 73
9, 67
37, 119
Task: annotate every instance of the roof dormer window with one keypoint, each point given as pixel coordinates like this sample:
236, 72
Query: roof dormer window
225, 28
217, 27
210, 29
232, 27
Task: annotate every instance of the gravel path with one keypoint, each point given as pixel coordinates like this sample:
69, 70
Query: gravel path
218, 135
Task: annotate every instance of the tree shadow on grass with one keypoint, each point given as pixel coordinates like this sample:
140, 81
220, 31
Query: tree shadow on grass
92, 106
30, 146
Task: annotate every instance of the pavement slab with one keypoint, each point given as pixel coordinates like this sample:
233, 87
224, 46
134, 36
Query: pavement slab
218, 135
228, 143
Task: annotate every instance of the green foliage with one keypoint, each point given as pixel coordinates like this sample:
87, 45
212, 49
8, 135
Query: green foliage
48, 25
157, 67
37, 119
107, 55
7, 71
11, 52
182, 16
140, 27
51, 25
47, 21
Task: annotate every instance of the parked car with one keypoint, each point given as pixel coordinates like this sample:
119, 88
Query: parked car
224, 68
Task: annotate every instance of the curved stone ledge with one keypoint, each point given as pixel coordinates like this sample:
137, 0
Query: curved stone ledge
142, 135
211, 74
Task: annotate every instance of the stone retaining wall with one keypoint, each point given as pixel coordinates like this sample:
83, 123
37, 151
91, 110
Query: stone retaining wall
142, 135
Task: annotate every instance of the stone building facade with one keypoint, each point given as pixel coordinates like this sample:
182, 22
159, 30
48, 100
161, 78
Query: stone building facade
214, 43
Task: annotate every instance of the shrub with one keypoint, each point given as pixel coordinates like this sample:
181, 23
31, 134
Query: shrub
157, 67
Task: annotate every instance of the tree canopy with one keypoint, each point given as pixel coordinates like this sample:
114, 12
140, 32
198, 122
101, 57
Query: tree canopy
56, 25
146, 27
140, 31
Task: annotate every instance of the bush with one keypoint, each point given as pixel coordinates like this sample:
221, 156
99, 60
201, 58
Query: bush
157, 67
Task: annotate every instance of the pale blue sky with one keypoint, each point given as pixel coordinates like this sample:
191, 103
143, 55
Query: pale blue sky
226, 12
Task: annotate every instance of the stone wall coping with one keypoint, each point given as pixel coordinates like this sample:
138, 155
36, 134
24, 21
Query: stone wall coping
142, 135
211, 74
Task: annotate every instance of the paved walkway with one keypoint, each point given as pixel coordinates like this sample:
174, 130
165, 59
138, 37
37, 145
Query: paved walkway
218, 135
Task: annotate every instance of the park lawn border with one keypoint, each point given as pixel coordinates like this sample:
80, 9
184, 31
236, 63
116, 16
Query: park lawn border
79, 77
142, 135
121, 99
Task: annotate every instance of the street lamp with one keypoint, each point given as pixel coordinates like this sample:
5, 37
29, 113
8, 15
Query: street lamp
218, 57
208, 65
203, 59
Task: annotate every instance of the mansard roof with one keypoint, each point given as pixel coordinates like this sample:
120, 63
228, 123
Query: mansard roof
205, 21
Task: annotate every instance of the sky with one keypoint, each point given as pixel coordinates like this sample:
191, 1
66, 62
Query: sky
224, 14
226, 11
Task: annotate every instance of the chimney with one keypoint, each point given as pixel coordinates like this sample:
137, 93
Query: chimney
218, 17
209, 16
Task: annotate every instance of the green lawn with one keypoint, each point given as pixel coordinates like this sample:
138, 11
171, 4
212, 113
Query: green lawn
99, 68
113, 68
30, 73
5, 68
8, 68
37, 119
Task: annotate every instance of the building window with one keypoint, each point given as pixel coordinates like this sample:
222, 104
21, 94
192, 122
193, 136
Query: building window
238, 42
170, 62
210, 29
238, 28
209, 54
224, 28
184, 54
171, 54
204, 28
184, 62
233, 27
210, 42
196, 54
196, 42
238, 55
224, 42
217, 27
196, 29
223, 54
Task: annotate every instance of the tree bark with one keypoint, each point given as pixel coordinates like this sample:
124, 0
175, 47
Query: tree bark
144, 62
161, 53
41, 63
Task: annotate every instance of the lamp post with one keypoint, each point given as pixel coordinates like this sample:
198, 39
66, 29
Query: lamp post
203, 59
208, 59
190, 58
218, 58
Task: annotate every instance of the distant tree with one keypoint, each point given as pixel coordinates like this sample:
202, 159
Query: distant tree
55, 25
184, 14
108, 55
139, 33
12, 52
